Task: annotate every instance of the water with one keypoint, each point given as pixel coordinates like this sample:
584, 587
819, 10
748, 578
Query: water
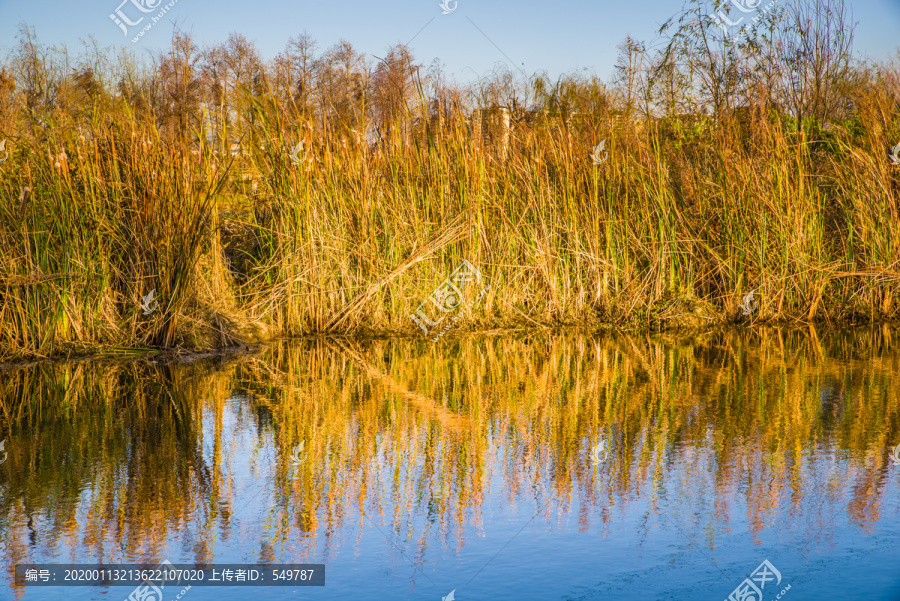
466, 465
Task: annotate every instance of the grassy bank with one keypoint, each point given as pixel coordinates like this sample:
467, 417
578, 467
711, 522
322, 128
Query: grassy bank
133, 185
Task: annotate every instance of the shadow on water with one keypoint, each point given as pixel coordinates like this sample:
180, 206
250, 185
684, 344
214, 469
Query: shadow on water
420, 463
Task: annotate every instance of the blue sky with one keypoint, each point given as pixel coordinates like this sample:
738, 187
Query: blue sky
557, 36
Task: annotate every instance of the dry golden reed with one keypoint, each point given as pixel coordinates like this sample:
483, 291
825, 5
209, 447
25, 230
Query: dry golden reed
185, 177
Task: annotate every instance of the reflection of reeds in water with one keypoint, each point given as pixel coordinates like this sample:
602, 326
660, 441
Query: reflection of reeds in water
106, 457
117, 461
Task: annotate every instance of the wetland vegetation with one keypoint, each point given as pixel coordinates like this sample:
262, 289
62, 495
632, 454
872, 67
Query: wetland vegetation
754, 165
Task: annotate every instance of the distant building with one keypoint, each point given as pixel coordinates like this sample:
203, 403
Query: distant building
490, 130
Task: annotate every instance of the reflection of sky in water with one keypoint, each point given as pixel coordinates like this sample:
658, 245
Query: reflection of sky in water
559, 552
677, 531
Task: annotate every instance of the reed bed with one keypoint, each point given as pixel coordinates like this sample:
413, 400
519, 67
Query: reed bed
185, 177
